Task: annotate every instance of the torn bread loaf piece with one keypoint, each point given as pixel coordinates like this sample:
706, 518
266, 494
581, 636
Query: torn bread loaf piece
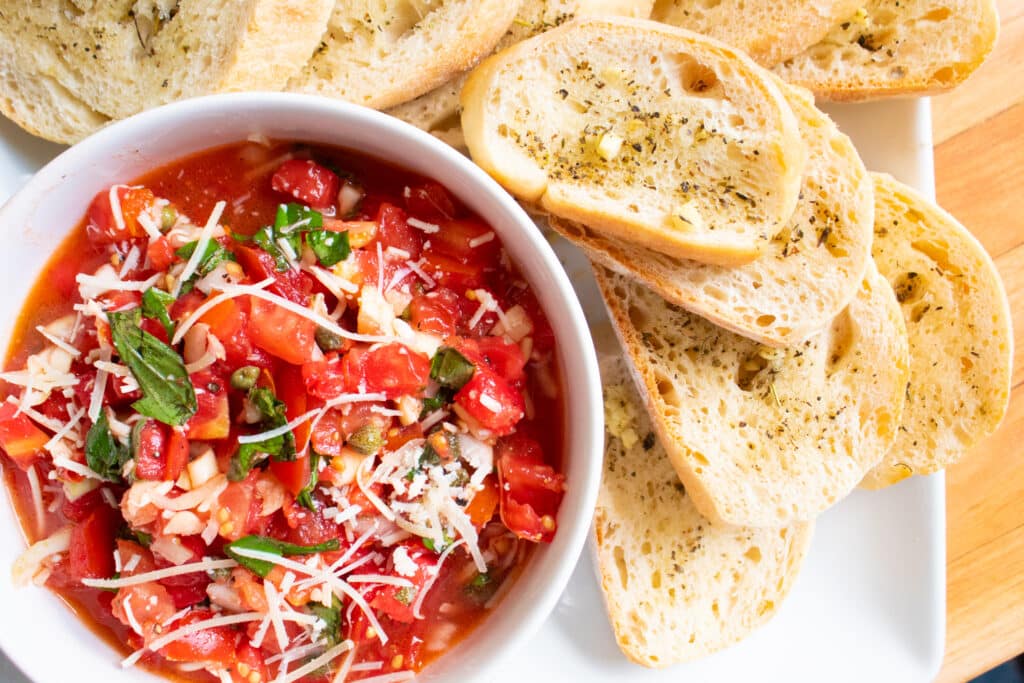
897, 47
810, 271
760, 436
958, 324
676, 585
643, 132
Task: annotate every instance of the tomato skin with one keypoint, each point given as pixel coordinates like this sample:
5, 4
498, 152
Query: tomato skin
237, 499
19, 437
213, 645
150, 451
485, 502
259, 265
78, 509
281, 333
212, 419
430, 201
393, 231
294, 475
229, 322
438, 312
290, 385
253, 661
177, 455
504, 358
451, 272
457, 238
91, 554
486, 390
101, 226
395, 370
160, 253
307, 181
531, 491
327, 378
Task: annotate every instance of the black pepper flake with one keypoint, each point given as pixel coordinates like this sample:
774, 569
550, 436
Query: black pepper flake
564, 93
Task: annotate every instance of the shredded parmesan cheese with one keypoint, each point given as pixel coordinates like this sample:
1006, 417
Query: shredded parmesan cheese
197, 255
158, 574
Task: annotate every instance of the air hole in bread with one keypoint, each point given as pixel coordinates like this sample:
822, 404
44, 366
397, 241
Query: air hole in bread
620, 563
748, 371
696, 78
765, 320
656, 580
945, 75
735, 120
937, 14
939, 252
699, 457
667, 390
714, 608
966, 364
753, 554
638, 317
917, 313
909, 287
841, 337
645, 548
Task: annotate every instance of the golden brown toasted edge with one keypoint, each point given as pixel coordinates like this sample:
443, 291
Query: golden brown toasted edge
939, 81
530, 182
991, 317
646, 622
480, 31
846, 239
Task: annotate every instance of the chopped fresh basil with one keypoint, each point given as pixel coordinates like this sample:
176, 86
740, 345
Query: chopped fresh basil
429, 456
273, 547
280, 447
305, 497
481, 588
429, 544
437, 401
451, 369
264, 239
293, 218
155, 305
167, 392
331, 616
142, 537
213, 255
104, 454
330, 247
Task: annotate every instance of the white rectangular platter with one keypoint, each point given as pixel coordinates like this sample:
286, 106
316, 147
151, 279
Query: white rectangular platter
870, 602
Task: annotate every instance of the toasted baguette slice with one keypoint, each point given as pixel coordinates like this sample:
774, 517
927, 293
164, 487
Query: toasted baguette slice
642, 131
380, 54
67, 69
438, 111
958, 323
811, 270
676, 585
759, 436
768, 30
898, 47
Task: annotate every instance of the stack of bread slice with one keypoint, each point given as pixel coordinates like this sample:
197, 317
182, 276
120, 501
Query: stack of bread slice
781, 311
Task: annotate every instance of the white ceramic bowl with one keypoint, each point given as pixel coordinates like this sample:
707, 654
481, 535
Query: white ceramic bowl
38, 632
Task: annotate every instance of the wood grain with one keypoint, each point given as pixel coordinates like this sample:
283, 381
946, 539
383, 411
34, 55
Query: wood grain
978, 156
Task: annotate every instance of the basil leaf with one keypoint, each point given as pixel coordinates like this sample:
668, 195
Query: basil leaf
436, 402
167, 392
296, 218
155, 304
104, 454
451, 369
331, 616
213, 255
273, 547
281, 447
305, 497
264, 239
330, 247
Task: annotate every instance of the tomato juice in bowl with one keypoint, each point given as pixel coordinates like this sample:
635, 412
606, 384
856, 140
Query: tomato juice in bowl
435, 290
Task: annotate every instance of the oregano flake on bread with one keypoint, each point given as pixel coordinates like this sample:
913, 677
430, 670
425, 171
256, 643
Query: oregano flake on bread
643, 132
811, 269
762, 436
958, 324
897, 47
676, 585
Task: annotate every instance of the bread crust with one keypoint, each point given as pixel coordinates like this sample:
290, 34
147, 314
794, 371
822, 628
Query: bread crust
959, 325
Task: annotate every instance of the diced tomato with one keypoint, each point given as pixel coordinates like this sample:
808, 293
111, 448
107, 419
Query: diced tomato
308, 528
395, 370
91, 553
504, 358
469, 241
129, 549
212, 645
438, 312
233, 507
177, 455
282, 333
403, 435
530, 489
492, 401
160, 253
78, 509
404, 646
259, 265
19, 437
328, 438
397, 601
186, 589
150, 444
101, 226
430, 201
294, 475
451, 272
307, 181
148, 603
393, 231
485, 502
228, 322
331, 376
249, 665
213, 418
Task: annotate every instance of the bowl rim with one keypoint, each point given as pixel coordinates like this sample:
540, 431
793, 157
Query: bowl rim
582, 387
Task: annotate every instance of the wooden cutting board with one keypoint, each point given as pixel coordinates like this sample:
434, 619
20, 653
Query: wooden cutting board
979, 178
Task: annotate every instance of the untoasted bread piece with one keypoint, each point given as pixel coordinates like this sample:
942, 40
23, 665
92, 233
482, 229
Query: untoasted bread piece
676, 585
759, 436
643, 132
898, 47
66, 69
437, 111
768, 30
958, 323
812, 269
379, 53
